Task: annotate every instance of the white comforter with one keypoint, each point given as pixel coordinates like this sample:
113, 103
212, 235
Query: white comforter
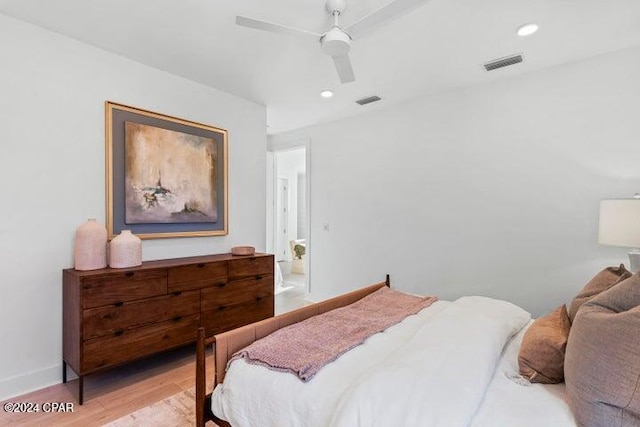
432, 369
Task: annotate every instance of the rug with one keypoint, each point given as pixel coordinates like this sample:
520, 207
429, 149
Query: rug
178, 410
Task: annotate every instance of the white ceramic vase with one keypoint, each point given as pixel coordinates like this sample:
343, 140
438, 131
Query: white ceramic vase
90, 246
125, 250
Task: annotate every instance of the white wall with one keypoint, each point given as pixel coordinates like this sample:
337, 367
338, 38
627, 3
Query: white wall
52, 172
490, 190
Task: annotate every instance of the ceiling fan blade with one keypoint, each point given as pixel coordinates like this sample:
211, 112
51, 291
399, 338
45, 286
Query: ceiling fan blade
384, 14
343, 66
274, 28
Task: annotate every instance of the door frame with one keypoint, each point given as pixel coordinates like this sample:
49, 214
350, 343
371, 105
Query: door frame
281, 217
272, 181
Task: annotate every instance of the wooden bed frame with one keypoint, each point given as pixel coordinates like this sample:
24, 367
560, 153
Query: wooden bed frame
227, 343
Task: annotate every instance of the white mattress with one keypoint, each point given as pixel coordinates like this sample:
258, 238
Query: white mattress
255, 396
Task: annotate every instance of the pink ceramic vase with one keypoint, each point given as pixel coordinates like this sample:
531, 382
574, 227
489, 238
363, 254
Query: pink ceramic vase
90, 246
125, 250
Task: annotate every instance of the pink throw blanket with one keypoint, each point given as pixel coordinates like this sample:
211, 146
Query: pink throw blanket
306, 347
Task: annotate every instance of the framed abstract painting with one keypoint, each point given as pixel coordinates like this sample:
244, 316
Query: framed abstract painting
165, 176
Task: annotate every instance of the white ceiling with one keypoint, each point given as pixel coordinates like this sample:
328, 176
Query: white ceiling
439, 46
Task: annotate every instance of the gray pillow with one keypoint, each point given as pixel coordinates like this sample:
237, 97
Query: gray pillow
602, 363
602, 281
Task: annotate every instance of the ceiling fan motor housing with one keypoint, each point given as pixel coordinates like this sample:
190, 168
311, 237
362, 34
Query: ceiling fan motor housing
335, 42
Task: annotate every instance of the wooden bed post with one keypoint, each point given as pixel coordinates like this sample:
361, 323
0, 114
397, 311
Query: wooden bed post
387, 281
201, 378
203, 399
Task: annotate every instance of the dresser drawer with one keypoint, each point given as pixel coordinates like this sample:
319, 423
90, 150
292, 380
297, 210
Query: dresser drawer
225, 318
109, 319
197, 276
133, 344
123, 287
237, 292
245, 267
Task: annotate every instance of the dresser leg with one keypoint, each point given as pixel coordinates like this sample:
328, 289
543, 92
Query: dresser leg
64, 372
80, 389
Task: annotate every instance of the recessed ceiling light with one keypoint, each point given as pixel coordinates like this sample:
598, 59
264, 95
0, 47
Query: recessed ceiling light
326, 94
527, 29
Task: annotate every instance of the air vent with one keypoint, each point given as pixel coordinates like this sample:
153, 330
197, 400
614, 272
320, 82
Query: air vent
503, 62
369, 100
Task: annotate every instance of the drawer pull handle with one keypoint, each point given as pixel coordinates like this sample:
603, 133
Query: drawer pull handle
201, 265
258, 277
221, 285
222, 307
258, 298
119, 304
118, 332
177, 318
177, 293
129, 274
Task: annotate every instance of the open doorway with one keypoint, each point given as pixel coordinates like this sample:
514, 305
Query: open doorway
287, 223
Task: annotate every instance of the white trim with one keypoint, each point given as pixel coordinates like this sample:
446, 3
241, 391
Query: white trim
296, 144
32, 381
282, 245
270, 203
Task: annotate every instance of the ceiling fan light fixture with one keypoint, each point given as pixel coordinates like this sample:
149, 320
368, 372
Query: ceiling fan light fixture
335, 42
326, 93
527, 29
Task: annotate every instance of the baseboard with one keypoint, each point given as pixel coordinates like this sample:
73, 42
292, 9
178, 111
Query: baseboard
36, 380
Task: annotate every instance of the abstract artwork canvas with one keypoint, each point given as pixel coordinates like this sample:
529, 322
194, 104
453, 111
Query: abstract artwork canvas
166, 177
170, 177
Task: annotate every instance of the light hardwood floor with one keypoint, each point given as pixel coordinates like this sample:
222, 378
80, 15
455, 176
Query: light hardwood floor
121, 391
112, 394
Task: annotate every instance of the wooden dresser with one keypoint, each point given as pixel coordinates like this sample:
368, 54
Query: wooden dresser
114, 316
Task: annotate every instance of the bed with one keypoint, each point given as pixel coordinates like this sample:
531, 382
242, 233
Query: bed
454, 363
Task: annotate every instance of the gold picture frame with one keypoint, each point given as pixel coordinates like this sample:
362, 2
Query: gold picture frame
166, 177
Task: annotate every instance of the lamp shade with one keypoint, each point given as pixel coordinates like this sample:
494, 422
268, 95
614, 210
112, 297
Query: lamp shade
620, 223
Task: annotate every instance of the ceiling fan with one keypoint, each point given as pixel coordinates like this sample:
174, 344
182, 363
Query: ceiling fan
336, 42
